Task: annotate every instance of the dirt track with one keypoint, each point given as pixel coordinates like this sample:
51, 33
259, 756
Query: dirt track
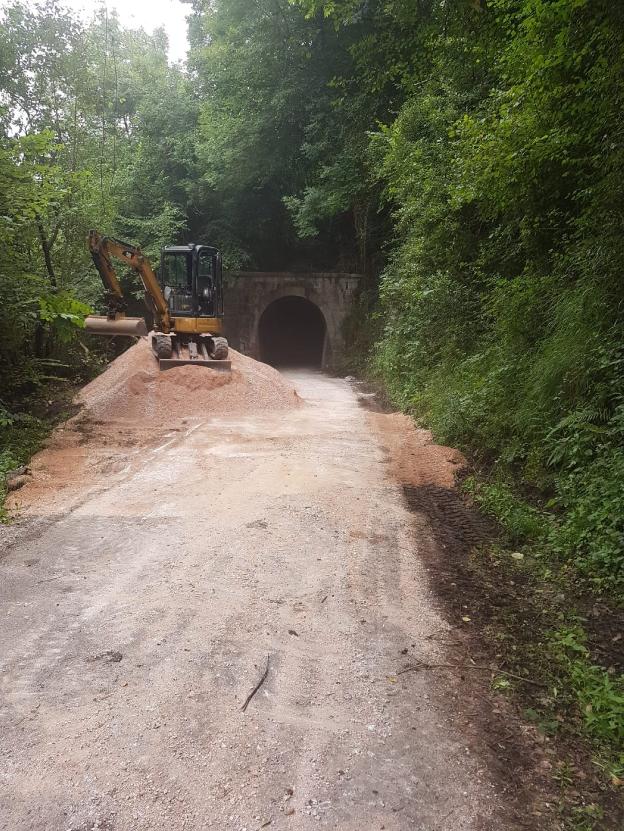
137, 618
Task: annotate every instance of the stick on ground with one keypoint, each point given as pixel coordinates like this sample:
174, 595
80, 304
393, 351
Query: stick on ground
422, 665
258, 685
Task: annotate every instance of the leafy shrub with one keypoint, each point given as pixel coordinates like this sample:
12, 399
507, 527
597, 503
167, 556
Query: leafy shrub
21, 435
600, 695
521, 521
592, 527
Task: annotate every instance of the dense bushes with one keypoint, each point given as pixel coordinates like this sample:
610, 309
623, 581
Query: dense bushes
503, 295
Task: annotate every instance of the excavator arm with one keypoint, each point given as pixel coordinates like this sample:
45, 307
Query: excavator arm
103, 249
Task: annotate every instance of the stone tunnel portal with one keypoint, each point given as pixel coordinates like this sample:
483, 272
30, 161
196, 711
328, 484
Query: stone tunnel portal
291, 332
291, 318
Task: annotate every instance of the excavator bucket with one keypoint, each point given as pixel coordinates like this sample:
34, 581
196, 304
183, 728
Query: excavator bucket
102, 325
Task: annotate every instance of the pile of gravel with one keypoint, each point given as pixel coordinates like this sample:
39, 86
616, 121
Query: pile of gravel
133, 389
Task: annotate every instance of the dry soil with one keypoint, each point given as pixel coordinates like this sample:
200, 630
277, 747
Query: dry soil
163, 556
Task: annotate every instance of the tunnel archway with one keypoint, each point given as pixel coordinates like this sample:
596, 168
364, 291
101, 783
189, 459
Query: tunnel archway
291, 332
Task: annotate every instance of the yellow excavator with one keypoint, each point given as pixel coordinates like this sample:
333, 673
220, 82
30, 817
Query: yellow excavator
186, 300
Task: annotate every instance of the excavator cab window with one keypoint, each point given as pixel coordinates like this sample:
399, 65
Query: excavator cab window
206, 283
176, 281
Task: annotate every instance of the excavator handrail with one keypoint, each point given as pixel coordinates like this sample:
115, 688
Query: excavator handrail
103, 249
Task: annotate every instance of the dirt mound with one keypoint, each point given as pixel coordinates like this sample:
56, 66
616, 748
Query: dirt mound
133, 407
134, 389
415, 459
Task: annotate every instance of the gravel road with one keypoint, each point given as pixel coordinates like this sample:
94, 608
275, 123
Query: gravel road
135, 623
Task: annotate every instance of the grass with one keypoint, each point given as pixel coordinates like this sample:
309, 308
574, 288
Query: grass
22, 434
554, 631
20, 438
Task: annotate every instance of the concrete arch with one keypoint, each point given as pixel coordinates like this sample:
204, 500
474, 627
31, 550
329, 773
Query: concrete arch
292, 331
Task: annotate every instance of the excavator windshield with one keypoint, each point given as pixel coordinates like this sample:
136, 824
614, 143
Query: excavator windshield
176, 279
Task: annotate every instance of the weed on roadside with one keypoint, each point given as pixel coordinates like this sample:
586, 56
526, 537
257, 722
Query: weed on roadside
549, 628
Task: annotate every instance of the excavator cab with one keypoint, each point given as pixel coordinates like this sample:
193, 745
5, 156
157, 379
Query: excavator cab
191, 279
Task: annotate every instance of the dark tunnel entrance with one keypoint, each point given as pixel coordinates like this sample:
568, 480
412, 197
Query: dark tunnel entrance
291, 332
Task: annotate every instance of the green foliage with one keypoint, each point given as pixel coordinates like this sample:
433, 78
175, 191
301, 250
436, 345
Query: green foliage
63, 314
592, 527
521, 521
21, 435
501, 297
600, 695
97, 131
266, 124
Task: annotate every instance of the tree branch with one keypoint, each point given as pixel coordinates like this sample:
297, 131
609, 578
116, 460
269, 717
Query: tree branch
47, 251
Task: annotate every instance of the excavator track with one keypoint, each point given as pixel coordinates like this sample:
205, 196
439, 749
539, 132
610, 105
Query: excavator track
162, 346
219, 349
205, 351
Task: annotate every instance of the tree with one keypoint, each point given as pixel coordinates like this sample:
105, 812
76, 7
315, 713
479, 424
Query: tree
99, 132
